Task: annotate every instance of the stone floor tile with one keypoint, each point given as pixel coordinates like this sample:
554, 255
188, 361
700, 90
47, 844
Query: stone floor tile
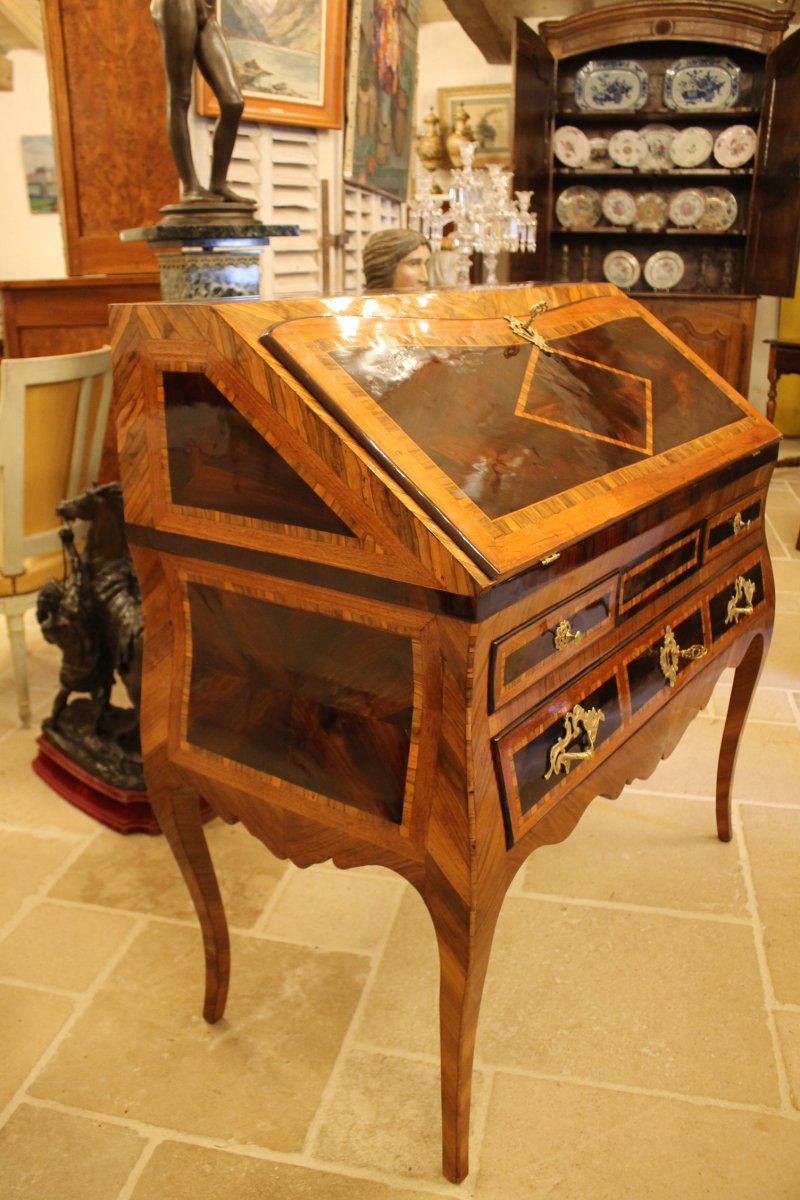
691, 769
788, 1024
184, 1172
557, 1141
25, 799
384, 1115
787, 586
141, 1049
768, 762
625, 997
401, 1012
28, 862
772, 838
782, 664
347, 910
62, 947
139, 872
46, 1155
769, 704
29, 1021
660, 851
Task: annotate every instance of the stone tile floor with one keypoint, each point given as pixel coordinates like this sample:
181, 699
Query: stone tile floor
640, 1035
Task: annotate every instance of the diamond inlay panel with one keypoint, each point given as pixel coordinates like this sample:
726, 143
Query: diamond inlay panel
492, 418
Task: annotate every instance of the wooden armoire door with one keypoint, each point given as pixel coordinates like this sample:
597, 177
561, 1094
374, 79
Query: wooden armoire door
774, 243
109, 117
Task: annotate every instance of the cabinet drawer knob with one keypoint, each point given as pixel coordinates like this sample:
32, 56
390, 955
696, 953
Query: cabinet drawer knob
563, 635
580, 727
739, 523
670, 654
743, 590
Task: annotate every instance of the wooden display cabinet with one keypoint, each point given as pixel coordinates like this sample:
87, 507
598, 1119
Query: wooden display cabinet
712, 306
421, 576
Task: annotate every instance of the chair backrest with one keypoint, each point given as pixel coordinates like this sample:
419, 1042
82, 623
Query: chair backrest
53, 414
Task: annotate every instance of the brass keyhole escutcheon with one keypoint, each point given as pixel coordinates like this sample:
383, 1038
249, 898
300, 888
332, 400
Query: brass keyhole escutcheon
739, 523
670, 654
563, 635
743, 590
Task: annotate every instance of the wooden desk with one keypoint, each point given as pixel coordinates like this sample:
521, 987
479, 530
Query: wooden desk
416, 590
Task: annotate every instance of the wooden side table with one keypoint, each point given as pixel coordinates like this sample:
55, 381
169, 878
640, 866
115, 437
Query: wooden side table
784, 359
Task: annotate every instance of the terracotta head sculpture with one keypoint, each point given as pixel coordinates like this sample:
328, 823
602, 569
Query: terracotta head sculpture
396, 260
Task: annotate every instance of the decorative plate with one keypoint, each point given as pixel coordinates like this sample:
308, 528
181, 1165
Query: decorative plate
616, 86
701, 83
571, 146
578, 207
735, 146
622, 268
687, 207
598, 155
659, 138
720, 210
691, 147
627, 148
619, 206
663, 270
651, 213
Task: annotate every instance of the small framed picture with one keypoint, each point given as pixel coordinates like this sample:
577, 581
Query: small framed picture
489, 111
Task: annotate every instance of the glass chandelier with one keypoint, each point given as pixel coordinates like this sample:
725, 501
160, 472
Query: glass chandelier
485, 218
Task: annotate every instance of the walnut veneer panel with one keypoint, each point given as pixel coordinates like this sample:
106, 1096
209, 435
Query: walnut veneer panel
109, 104
332, 655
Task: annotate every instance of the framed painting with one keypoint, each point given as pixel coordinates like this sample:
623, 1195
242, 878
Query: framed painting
489, 109
289, 57
382, 81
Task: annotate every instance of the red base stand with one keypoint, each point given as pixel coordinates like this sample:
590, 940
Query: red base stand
120, 810
126, 812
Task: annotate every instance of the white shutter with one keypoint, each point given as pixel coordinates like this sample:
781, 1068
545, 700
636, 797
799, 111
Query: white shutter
364, 213
290, 195
279, 168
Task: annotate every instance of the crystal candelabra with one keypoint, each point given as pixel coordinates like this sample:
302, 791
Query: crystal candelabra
484, 217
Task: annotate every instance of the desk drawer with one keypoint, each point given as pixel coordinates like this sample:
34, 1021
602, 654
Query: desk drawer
737, 519
537, 753
522, 657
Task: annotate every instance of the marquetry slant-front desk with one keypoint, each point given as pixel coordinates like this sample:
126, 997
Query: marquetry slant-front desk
420, 581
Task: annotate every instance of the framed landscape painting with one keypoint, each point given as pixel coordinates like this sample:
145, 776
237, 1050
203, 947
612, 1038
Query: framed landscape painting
289, 57
382, 80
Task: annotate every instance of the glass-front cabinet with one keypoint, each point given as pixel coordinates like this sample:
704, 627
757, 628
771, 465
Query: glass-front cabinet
662, 141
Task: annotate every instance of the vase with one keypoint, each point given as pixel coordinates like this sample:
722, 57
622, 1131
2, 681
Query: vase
430, 146
460, 136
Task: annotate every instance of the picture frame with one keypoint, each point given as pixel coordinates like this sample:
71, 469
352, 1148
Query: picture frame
490, 118
381, 85
295, 79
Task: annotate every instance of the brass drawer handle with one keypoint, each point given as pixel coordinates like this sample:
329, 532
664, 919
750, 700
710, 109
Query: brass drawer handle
739, 524
563, 635
743, 589
560, 757
670, 655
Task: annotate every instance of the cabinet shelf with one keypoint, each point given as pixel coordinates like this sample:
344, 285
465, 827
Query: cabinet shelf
663, 176
627, 231
663, 116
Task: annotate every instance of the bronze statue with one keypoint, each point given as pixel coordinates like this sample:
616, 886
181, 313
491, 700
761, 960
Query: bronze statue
190, 32
95, 617
396, 260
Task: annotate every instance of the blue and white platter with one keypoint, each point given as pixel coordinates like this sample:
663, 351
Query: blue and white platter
616, 85
701, 84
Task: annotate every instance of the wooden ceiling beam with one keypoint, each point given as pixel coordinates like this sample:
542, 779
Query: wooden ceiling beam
488, 24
